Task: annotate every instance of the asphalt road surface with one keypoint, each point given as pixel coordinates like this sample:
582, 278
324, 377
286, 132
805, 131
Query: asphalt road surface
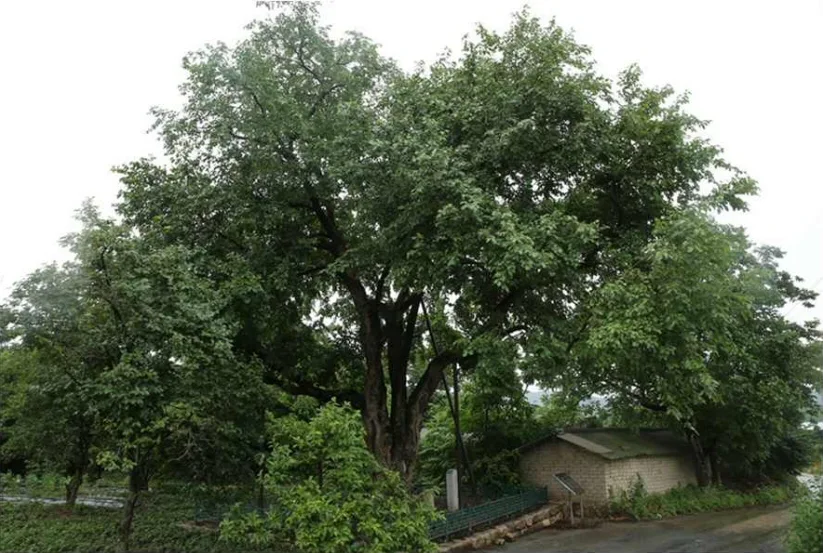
757, 529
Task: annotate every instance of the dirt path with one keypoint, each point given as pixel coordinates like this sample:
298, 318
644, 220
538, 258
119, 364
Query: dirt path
108, 502
759, 529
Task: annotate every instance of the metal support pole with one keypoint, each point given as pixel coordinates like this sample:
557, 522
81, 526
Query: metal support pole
458, 436
571, 509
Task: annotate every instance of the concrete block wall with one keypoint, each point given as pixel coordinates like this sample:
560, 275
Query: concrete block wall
659, 473
539, 465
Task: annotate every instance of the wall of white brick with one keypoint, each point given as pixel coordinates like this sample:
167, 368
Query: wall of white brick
539, 465
659, 473
597, 475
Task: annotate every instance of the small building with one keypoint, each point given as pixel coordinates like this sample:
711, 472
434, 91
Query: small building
604, 460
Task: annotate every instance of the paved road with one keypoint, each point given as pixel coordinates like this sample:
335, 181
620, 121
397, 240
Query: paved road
758, 529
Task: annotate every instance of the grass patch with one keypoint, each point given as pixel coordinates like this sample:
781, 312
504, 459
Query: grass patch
806, 531
637, 504
159, 526
51, 485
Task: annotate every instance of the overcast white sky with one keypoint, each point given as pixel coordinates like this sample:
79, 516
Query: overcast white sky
78, 78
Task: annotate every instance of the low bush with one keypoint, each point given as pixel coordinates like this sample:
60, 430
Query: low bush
51, 485
330, 495
33, 485
163, 524
806, 531
638, 504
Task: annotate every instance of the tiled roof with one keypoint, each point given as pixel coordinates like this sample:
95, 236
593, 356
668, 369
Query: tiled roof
620, 443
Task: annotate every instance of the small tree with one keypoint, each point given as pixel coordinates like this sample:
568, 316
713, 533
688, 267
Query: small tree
170, 382
53, 355
123, 348
330, 493
691, 329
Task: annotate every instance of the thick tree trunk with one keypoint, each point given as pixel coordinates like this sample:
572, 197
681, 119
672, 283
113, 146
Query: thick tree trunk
715, 467
405, 420
702, 463
405, 435
387, 332
405, 443
73, 486
375, 411
393, 435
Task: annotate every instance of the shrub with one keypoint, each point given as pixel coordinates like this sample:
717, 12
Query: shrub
806, 531
331, 494
497, 475
33, 485
631, 501
164, 524
787, 457
638, 504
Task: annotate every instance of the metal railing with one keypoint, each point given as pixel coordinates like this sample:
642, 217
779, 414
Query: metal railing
466, 520
215, 507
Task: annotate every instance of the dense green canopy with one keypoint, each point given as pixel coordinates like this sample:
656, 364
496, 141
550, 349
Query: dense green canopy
325, 224
500, 186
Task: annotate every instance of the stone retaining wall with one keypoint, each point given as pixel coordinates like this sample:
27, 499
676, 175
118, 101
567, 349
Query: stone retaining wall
508, 531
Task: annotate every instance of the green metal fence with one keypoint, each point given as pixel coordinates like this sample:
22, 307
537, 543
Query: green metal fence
465, 520
215, 506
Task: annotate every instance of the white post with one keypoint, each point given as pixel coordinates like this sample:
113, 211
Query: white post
452, 490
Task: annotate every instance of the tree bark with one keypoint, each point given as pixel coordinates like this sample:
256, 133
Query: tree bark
715, 467
388, 332
392, 435
375, 411
138, 482
77, 465
128, 518
73, 486
702, 463
399, 334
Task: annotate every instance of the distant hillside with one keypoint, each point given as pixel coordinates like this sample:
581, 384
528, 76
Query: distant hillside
535, 397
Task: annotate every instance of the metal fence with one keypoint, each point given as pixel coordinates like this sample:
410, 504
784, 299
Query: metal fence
215, 506
465, 520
